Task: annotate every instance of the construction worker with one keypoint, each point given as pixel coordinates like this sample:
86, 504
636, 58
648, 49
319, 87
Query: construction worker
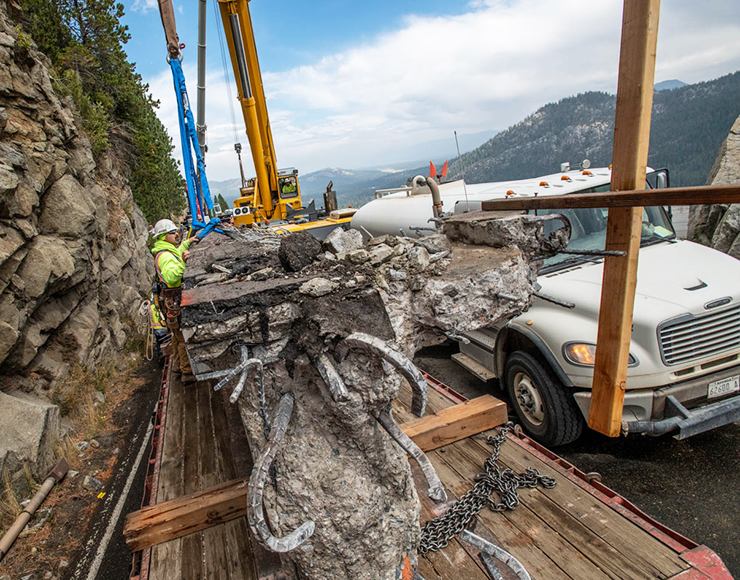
169, 263
289, 186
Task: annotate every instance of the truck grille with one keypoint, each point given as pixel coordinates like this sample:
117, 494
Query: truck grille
693, 337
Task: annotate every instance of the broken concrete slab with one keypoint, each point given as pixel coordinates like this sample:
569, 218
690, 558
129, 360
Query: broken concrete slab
529, 233
337, 464
341, 241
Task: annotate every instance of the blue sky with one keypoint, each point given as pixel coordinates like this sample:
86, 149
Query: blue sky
354, 84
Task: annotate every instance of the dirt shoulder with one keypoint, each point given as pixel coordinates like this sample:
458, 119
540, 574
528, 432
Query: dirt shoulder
57, 536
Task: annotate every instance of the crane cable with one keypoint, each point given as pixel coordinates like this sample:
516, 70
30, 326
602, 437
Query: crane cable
227, 76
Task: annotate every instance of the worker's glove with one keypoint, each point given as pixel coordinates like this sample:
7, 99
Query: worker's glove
194, 240
208, 229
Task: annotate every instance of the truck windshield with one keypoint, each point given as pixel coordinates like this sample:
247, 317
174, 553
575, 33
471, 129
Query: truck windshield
588, 227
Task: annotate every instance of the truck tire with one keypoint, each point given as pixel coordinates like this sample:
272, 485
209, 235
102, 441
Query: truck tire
546, 411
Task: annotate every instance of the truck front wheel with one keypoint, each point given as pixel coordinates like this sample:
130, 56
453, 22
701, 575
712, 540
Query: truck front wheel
547, 412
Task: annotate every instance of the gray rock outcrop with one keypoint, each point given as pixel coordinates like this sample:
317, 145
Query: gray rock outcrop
718, 226
73, 256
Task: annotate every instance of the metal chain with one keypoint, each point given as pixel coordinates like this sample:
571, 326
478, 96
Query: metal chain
437, 533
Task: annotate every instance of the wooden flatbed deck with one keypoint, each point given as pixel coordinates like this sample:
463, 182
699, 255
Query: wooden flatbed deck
204, 445
575, 531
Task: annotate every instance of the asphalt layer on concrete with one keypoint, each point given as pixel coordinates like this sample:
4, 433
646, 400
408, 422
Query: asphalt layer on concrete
690, 486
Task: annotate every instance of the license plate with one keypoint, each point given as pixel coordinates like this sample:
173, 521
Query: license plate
723, 387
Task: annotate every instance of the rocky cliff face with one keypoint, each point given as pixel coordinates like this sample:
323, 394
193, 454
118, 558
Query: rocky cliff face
718, 226
73, 256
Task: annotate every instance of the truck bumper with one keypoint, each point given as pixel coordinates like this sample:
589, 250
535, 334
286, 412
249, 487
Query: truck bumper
681, 408
688, 422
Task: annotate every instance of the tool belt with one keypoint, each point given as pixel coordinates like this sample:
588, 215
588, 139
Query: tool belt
172, 293
171, 298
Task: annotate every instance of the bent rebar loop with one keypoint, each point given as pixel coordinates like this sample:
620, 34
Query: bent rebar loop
335, 384
398, 360
255, 489
498, 553
242, 370
418, 383
436, 490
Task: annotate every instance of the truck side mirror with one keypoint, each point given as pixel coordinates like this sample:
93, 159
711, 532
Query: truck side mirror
661, 180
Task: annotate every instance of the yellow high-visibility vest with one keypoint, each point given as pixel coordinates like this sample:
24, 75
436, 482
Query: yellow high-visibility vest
156, 320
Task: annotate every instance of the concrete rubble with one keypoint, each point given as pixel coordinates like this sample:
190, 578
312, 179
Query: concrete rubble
320, 353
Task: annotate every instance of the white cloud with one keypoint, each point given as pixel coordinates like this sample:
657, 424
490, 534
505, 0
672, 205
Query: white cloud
482, 70
144, 6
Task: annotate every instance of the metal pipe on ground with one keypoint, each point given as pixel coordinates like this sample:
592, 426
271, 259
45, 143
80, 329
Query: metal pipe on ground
54, 477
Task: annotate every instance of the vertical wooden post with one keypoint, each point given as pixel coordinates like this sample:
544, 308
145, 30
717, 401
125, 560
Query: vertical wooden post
631, 140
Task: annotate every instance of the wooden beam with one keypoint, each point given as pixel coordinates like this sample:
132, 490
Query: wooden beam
457, 422
631, 141
706, 195
187, 514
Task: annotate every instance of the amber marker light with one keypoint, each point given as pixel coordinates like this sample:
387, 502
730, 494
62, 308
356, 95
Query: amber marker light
544, 184
565, 178
510, 192
581, 353
587, 172
584, 354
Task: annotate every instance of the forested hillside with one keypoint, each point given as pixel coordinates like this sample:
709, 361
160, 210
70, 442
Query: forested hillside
688, 126
84, 40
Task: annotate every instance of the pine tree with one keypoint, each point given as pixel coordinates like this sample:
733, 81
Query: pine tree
84, 40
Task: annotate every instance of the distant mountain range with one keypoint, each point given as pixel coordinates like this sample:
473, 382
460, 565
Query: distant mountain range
356, 186
689, 124
669, 85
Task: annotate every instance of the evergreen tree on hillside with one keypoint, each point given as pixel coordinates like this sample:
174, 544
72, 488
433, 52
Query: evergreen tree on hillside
688, 126
222, 202
84, 40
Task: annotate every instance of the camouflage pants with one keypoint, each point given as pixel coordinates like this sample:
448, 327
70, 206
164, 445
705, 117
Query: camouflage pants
171, 312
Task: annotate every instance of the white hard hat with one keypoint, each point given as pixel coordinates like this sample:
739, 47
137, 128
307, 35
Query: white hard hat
164, 227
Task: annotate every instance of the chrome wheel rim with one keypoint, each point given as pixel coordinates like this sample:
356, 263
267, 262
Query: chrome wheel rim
528, 399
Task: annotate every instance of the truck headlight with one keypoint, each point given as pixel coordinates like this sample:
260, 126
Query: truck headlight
584, 354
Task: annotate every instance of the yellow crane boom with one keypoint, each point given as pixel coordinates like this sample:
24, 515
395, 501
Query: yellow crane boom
271, 193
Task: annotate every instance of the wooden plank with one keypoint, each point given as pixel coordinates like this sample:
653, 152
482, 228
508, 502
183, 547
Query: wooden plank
705, 195
187, 514
192, 545
221, 438
166, 559
613, 528
241, 559
457, 422
214, 549
631, 140
537, 563
614, 563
